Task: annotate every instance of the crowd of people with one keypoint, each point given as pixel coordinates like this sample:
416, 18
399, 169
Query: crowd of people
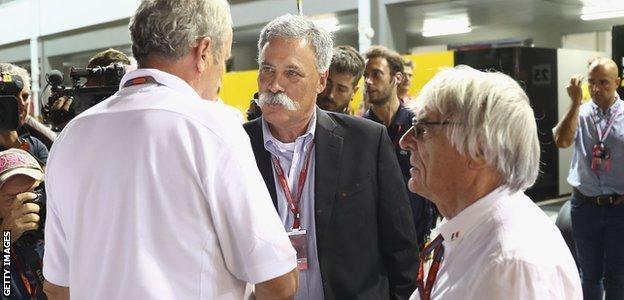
159, 191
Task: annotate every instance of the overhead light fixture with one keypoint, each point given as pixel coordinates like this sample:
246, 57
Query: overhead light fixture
603, 15
599, 12
448, 25
329, 24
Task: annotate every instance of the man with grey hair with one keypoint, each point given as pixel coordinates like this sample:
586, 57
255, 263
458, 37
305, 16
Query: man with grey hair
334, 179
345, 71
19, 135
474, 150
171, 205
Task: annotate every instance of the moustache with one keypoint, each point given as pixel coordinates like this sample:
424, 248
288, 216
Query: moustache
268, 98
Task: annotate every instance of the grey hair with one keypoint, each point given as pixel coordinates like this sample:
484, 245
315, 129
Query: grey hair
298, 27
495, 120
12, 69
168, 28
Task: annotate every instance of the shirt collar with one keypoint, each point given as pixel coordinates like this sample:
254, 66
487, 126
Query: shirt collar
401, 117
455, 229
163, 78
269, 139
612, 109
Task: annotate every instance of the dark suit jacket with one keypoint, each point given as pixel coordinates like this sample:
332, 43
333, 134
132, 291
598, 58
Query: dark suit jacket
364, 228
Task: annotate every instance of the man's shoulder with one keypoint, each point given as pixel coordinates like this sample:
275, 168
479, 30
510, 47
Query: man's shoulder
354, 123
537, 241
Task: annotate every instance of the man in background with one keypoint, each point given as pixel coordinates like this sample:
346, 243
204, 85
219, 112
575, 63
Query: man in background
382, 77
596, 130
406, 83
345, 71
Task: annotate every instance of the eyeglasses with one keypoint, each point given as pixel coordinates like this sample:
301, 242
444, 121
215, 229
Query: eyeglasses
421, 128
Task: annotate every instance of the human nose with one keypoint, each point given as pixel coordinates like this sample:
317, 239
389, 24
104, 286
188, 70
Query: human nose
274, 84
408, 140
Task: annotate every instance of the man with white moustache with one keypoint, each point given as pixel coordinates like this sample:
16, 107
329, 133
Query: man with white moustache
334, 179
474, 150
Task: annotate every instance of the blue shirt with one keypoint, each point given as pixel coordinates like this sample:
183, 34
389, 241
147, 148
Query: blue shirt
587, 181
292, 157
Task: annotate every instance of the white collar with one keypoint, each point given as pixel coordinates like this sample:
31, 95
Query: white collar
167, 79
455, 229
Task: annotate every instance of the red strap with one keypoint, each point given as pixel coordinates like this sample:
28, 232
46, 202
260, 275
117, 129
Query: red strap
30, 289
438, 250
293, 202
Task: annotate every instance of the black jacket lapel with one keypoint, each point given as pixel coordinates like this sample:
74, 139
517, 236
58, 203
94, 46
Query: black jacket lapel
263, 157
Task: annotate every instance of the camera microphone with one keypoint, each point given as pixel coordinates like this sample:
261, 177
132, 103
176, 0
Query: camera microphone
55, 78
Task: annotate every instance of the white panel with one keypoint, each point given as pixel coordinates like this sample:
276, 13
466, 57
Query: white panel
14, 29
569, 62
62, 15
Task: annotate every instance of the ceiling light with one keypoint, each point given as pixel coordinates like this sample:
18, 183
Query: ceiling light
598, 12
603, 15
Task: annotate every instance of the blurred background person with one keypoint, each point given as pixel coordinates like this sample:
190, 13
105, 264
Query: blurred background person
21, 137
406, 83
596, 130
382, 76
345, 71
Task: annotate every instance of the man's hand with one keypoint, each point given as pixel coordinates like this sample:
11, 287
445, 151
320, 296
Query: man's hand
55, 292
62, 103
283, 287
23, 216
574, 89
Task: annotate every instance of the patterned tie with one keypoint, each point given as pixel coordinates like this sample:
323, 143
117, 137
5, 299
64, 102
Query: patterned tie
437, 248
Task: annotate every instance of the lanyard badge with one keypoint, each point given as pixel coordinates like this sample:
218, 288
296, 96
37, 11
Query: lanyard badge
297, 235
601, 157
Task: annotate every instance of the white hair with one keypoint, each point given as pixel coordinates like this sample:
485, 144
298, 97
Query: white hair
494, 120
13, 70
168, 28
298, 27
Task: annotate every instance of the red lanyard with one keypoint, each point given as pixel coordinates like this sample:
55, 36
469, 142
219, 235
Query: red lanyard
293, 203
425, 290
603, 135
31, 289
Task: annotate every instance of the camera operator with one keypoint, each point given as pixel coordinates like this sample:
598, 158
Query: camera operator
61, 107
21, 214
11, 138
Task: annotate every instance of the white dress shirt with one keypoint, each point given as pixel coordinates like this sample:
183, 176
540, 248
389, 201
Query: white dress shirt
155, 194
504, 247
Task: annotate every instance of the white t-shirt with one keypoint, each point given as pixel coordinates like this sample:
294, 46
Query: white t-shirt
155, 194
504, 247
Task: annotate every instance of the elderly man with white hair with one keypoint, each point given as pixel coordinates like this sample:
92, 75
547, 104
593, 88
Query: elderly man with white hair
474, 150
164, 199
